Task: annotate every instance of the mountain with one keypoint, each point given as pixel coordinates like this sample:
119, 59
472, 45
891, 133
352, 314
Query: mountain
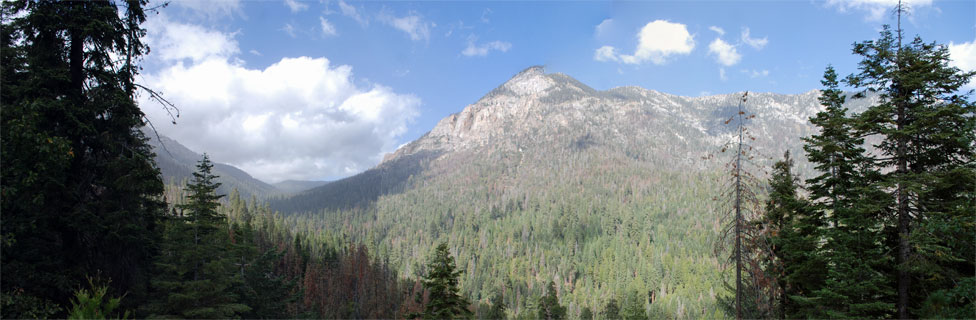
605, 193
177, 162
295, 186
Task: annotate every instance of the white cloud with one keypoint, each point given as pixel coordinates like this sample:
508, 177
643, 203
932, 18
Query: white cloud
724, 53
295, 5
721, 74
351, 12
413, 24
211, 9
604, 27
755, 43
177, 41
875, 9
327, 28
255, 52
290, 30
718, 30
756, 73
963, 56
481, 50
300, 118
657, 41
605, 53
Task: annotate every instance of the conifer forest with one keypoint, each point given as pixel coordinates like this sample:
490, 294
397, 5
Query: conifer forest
545, 199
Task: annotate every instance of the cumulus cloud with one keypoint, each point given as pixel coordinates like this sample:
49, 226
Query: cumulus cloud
718, 30
295, 6
351, 12
656, 42
875, 9
755, 43
327, 28
300, 118
724, 53
178, 41
413, 24
963, 56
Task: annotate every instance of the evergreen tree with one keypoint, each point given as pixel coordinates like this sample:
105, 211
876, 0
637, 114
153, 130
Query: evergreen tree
586, 314
795, 261
611, 310
196, 274
441, 281
928, 131
497, 310
80, 194
633, 308
549, 308
855, 283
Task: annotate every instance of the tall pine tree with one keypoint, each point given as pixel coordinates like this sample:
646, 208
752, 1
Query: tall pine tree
794, 238
854, 206
928, 130
442, 283
80, 193
196, 275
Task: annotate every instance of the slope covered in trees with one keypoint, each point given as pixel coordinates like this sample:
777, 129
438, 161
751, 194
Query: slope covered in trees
545, 199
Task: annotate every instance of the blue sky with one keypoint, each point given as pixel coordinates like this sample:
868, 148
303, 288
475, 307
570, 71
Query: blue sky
322, 89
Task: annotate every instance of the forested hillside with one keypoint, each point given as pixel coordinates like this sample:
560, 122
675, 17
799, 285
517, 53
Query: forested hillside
545, 199
177, 163
608, 194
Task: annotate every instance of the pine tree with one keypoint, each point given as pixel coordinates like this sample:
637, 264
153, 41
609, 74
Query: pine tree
441, 281
497, 310
586, 314
196, 275
795, 261
853, 206
611, 310
927, 157
80, 194
549, 308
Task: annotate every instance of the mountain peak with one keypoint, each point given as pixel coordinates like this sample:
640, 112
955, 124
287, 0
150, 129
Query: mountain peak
532, 80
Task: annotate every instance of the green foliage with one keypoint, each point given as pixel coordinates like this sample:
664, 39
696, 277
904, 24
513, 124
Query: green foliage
928, 132
79, 191
497, 309
94, 303
442, 282
611, 310
633, 308
796, 261
586, 314
196, 273
549, 308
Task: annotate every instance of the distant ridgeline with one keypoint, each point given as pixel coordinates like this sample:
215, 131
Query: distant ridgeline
177, 163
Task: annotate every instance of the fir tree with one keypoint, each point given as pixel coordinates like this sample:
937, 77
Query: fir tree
611, 310
497, 310
855, 283
586, 314
795, 262
80, 193
196, 272
549, 308
928, 131
441, 281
